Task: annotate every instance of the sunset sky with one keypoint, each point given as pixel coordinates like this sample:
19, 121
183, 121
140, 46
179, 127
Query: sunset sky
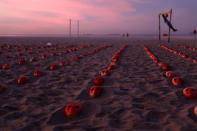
95, 16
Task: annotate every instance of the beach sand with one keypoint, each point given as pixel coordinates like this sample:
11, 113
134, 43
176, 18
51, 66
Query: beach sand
136, 95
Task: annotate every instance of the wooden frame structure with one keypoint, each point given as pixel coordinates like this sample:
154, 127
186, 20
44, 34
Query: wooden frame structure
70, 28
165, 13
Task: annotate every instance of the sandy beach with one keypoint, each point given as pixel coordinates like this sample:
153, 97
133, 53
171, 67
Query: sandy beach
136, 95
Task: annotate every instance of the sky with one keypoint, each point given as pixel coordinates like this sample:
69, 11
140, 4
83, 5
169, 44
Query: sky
95, 16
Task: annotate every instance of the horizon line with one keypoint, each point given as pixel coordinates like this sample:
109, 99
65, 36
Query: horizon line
93, 34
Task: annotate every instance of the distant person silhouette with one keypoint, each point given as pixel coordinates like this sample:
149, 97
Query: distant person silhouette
127, 35
123, 35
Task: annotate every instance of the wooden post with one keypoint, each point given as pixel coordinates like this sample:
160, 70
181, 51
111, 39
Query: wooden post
77, 28
70, 24
159, 29
169, 27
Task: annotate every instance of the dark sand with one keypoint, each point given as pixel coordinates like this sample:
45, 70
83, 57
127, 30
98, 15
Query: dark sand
136, 94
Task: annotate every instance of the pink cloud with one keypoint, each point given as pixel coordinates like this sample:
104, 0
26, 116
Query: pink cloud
38, 16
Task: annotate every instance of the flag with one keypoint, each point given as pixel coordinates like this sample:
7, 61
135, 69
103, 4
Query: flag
168, 22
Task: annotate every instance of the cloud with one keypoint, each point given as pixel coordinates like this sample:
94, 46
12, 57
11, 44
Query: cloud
96, 16
43, 13
15, 20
